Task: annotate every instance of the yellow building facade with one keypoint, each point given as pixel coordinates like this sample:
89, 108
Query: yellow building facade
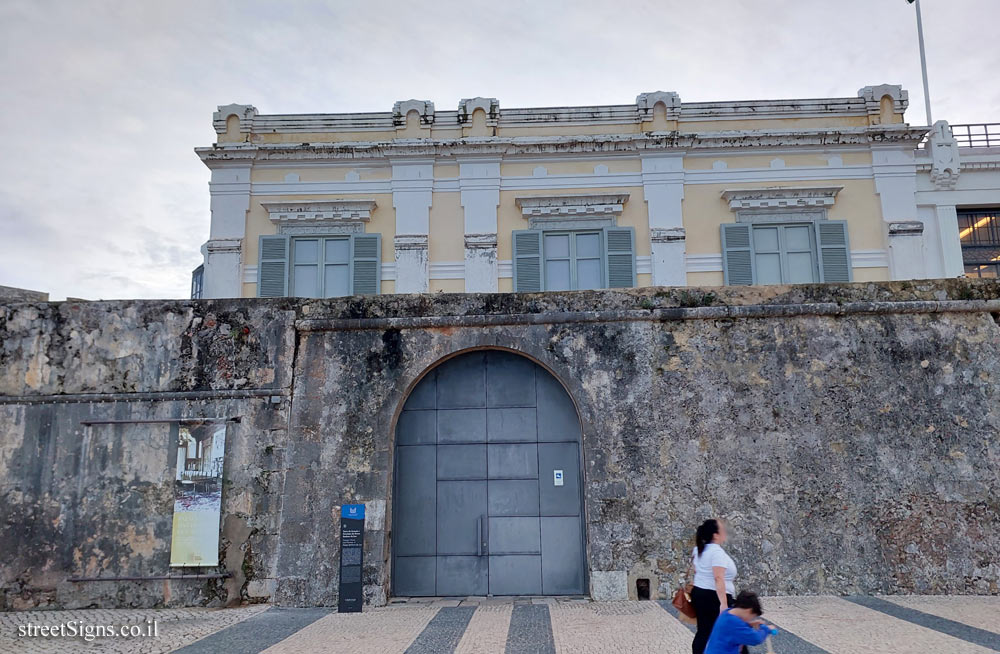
488, 199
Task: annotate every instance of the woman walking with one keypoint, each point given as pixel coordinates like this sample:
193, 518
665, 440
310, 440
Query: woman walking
714, 572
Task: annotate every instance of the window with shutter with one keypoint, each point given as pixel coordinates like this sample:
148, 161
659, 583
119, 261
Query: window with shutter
319, 266
620, 256
786, 253
570, 260
527, 261
367, 265
272, 266
834, 251
737, 255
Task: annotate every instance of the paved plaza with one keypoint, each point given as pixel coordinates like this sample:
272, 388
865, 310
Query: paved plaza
809, 625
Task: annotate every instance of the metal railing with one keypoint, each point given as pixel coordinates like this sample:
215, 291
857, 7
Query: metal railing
977, 135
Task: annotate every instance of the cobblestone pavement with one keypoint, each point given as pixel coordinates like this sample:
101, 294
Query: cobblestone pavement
809, 625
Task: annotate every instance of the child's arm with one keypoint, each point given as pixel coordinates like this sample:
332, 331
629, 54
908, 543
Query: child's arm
744, 634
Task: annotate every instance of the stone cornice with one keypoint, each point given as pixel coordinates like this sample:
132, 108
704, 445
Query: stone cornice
781, 198
666, 234
866, 103
548, 206
480, 241
900, 135
906, 228
410, 241
343, 210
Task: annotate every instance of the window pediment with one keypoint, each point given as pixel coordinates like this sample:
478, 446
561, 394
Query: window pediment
292, 213
604, 204
783, 198
587, 211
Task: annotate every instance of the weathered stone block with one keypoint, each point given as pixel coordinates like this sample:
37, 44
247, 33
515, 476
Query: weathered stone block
610, 585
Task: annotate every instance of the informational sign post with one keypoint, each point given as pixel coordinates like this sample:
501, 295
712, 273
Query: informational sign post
352, 536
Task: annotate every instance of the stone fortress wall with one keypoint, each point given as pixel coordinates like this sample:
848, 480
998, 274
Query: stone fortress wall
847, 432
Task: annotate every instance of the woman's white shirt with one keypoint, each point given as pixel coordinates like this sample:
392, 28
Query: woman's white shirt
713, 557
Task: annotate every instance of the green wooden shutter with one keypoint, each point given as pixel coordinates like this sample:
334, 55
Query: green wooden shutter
366, 264
272, 266
527, 261
737, 255
834, 251
619, 257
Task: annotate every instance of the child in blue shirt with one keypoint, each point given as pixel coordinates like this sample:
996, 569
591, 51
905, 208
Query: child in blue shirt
739, 625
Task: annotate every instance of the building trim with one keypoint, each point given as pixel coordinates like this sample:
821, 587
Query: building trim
574, 206
786, 198
869, 259
696, 263
447, 270
901, 135
585, 181
251, 122
313, 211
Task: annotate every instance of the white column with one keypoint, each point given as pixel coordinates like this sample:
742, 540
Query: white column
946, 167
230, 201
907, 254
951, 245
479, 183
896, 184
412, 188
663, 188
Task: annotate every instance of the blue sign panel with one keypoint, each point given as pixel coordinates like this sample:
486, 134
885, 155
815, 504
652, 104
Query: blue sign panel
352, 536
353, 511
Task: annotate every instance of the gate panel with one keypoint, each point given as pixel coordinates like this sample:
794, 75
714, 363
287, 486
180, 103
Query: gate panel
479, 508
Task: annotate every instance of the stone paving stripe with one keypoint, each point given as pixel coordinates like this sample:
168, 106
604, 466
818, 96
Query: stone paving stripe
373, 631
974, 610
784, 643
969, 634
530, 630
669, 608
257, 633
487, 631
843, 627
443, 632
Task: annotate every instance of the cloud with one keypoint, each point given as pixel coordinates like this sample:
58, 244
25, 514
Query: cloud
102, 196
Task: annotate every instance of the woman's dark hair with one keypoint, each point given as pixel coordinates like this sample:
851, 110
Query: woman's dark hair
704, 535
748, 600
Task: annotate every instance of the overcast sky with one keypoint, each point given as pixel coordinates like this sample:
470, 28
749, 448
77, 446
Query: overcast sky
102, 103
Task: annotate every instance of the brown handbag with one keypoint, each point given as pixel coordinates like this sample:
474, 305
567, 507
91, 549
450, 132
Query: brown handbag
682, 601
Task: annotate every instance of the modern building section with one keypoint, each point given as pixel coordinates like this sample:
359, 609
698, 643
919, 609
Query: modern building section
958, 190
658, 192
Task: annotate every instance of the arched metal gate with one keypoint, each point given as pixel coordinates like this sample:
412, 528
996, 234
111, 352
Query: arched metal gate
487, 482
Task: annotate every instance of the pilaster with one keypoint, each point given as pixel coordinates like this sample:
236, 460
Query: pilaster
950, 240
895, 175
907, 255
479, 185
663, 188
412, 188
230, 200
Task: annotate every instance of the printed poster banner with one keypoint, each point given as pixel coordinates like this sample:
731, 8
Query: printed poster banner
201, 449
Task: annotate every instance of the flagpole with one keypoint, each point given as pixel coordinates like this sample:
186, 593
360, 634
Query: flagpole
923, 64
